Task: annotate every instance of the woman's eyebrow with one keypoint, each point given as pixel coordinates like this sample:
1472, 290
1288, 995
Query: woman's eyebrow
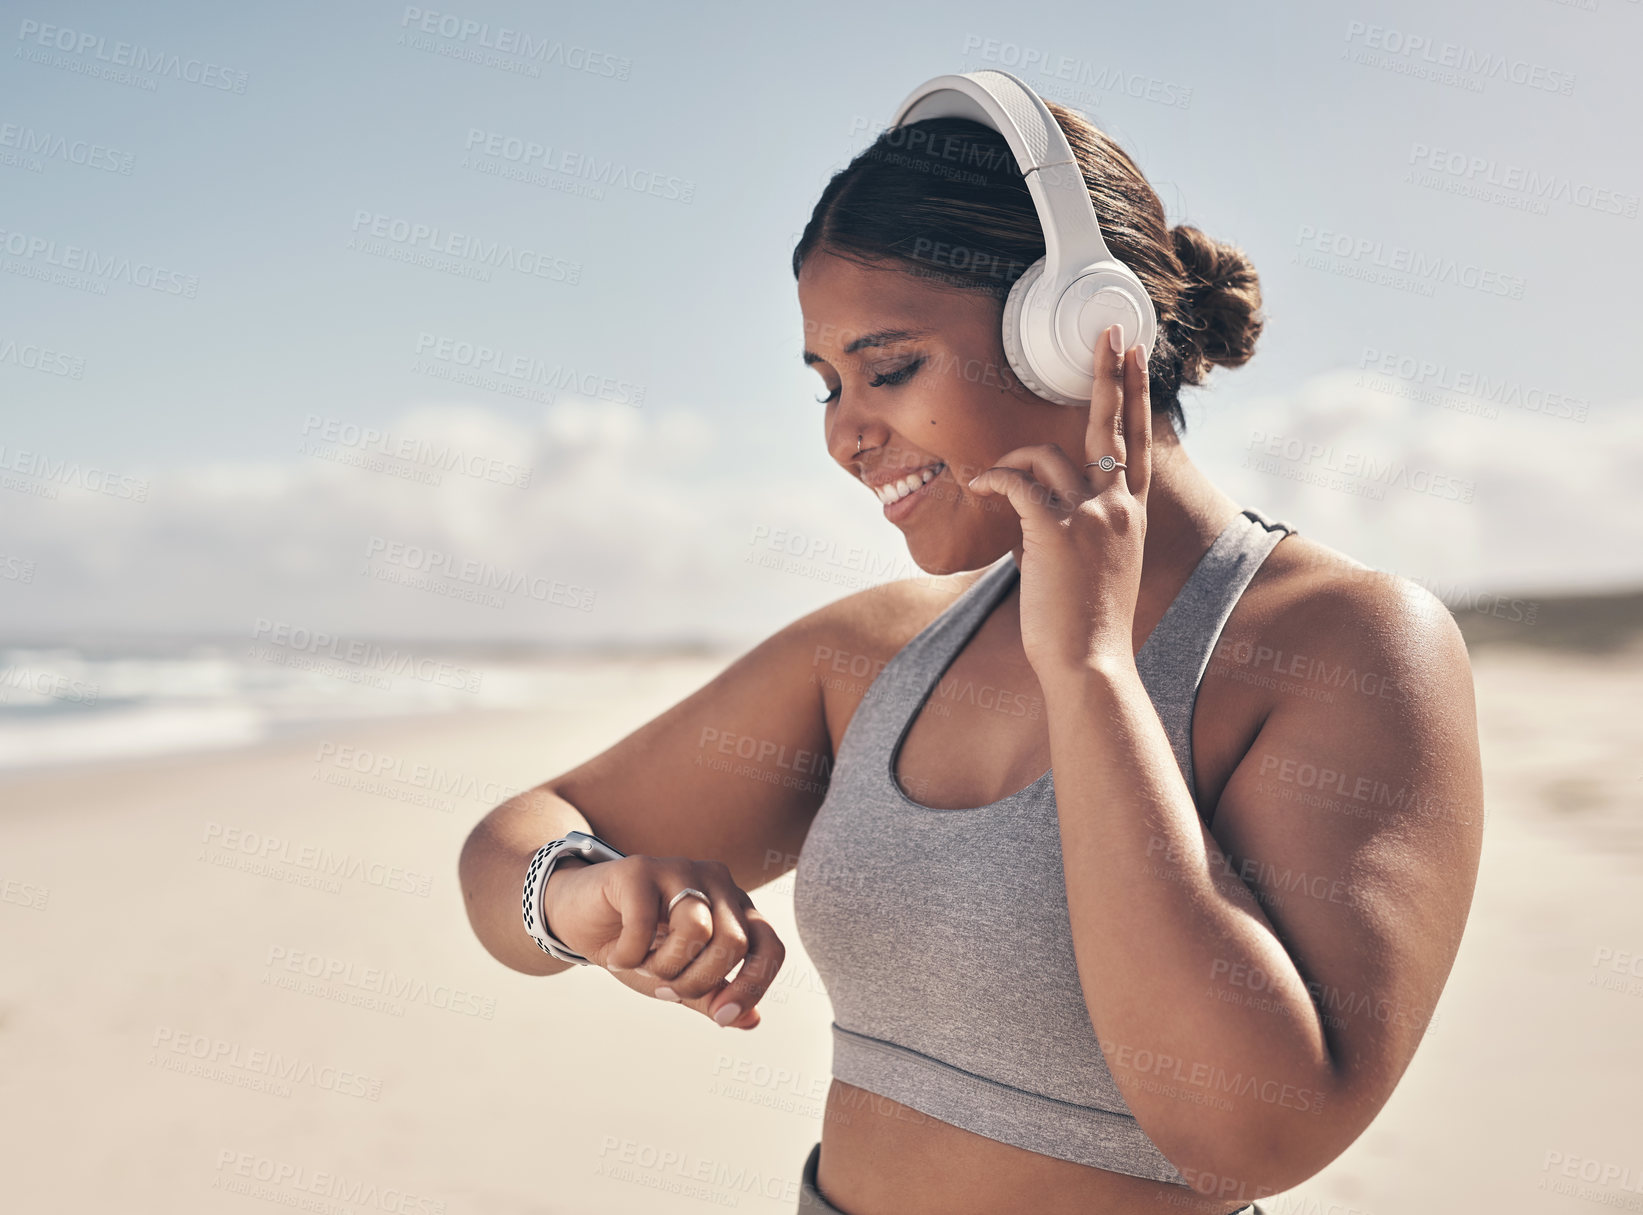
881, 338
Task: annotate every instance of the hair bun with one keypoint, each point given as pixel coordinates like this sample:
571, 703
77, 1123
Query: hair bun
1221, 306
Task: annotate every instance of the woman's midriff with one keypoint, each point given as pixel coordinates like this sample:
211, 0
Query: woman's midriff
880, 1157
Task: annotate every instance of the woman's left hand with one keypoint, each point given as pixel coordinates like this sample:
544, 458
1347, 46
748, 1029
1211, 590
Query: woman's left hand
1083, 528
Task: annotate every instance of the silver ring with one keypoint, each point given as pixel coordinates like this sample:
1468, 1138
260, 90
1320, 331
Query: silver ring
688, 890
1106, 464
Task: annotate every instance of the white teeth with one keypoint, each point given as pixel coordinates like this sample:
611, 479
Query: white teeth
897, 490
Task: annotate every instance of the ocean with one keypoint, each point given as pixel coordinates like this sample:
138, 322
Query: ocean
81, 703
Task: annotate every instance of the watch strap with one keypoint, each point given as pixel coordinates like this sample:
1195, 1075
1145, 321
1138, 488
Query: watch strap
579, 844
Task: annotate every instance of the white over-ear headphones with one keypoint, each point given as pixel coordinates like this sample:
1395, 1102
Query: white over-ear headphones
1066, 299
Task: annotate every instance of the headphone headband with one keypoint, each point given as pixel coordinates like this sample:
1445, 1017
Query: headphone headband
1060, 306
1007, 105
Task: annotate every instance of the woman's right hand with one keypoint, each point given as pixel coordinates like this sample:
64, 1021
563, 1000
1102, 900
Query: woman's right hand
613, 914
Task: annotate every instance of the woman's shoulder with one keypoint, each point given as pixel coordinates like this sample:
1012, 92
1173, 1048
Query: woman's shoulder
853, 638
1313, 613
879, 620
1338, 687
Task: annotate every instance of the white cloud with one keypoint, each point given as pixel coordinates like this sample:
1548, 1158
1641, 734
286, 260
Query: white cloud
628, 505
1555, 503
639, 508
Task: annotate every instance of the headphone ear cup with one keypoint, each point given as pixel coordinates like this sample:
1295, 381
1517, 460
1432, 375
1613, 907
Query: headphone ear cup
1015, 347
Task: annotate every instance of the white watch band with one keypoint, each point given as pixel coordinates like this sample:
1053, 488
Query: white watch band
579, 844
536, 920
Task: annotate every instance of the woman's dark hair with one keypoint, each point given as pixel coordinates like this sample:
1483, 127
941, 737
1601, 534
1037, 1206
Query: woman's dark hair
945, 199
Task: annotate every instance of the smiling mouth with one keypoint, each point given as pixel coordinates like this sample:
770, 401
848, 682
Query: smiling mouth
895, 491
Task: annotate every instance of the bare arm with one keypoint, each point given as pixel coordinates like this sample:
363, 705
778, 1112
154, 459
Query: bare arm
492, 870
1209, 960
732, 773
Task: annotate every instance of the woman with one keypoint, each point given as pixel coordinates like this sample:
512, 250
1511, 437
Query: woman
1187, 971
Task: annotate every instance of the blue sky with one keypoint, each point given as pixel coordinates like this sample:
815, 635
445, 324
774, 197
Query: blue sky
1328, 140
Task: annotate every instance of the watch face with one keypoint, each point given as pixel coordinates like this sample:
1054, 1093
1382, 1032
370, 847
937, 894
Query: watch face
590, 846
580, 843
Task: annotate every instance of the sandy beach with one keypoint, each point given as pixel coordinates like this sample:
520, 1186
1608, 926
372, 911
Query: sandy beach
198, 1014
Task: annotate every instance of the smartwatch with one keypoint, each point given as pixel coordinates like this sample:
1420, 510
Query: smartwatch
580, 844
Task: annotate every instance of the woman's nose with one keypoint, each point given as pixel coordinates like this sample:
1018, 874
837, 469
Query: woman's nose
847, 425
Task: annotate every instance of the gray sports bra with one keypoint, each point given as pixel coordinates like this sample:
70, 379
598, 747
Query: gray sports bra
943, 937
